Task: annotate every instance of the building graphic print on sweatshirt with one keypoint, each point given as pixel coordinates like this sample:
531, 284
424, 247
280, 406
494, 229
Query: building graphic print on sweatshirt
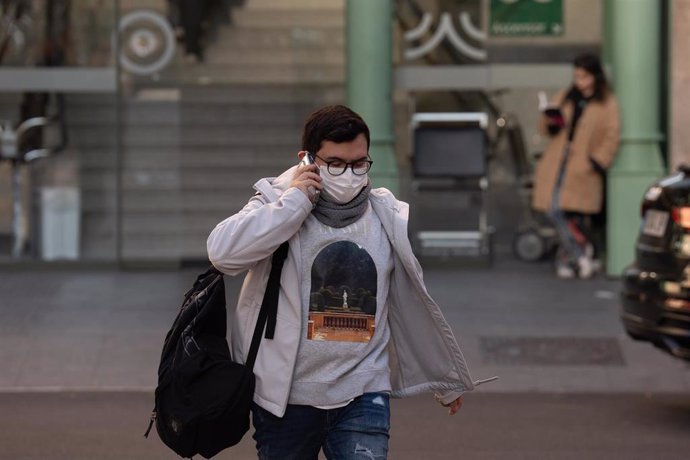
342, 301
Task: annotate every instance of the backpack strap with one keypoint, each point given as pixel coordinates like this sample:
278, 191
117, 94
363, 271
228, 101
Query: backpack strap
269, 306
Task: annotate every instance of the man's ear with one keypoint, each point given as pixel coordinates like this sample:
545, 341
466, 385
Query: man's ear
301, 154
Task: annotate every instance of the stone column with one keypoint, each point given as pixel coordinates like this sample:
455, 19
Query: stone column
370, 80
632, 45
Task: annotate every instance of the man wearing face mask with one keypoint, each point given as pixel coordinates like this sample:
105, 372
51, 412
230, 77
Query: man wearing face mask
355, 323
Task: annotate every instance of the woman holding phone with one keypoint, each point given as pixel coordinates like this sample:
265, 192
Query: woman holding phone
583, 125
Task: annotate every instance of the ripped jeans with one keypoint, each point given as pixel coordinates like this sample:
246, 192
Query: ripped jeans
358, 431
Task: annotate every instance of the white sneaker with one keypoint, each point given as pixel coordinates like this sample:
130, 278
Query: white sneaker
565, 272
585, 264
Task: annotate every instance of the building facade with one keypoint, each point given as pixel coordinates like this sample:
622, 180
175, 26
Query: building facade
167, 116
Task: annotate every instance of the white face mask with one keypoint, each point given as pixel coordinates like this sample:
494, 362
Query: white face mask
343, 188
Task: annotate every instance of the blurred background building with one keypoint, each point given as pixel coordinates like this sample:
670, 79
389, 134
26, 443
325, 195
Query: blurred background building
153, 118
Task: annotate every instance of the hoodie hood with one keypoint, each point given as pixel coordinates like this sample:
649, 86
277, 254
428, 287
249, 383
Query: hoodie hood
273, 187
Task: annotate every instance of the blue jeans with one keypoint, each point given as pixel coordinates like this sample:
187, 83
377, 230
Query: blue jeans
358, 431
570, 249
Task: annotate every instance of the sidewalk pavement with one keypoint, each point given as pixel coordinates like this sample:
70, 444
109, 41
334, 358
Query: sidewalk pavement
103, 330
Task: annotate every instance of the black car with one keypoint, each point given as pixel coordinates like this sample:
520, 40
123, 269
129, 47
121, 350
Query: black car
656, 287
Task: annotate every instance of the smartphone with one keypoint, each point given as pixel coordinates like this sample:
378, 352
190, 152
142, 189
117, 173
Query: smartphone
308, 159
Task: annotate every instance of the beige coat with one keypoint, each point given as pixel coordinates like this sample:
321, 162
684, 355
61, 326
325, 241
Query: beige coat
596, 136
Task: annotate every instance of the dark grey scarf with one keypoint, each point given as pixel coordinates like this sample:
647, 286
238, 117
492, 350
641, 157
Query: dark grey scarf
341, 215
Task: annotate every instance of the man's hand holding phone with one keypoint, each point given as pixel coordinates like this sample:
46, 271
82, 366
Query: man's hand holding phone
307, 177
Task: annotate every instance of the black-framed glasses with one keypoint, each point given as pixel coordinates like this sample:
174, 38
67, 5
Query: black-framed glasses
338, 167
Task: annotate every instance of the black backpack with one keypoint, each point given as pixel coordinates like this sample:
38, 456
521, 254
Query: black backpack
203, 398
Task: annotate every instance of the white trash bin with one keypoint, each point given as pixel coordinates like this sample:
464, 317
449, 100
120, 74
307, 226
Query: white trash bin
60, 229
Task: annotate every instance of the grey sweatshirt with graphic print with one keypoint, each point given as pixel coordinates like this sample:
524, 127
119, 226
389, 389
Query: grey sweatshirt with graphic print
343, 350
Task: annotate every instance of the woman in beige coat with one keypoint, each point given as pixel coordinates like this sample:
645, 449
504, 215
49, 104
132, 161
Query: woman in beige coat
569, 180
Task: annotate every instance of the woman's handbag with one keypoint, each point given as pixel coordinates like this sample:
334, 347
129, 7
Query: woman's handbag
203, 398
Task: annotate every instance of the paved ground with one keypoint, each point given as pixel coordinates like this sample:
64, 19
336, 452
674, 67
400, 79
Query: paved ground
109, 426
103, 330
79, 352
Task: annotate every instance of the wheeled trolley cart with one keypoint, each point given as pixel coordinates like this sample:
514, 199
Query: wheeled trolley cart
450, 185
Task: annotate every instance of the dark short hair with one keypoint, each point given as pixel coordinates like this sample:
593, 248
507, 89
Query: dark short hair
592, 65
335, 123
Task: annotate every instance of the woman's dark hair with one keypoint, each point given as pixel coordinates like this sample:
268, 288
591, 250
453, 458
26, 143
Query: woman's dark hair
591, 63
335, 123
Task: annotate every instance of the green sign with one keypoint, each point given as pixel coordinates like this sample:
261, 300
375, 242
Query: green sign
526, 17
